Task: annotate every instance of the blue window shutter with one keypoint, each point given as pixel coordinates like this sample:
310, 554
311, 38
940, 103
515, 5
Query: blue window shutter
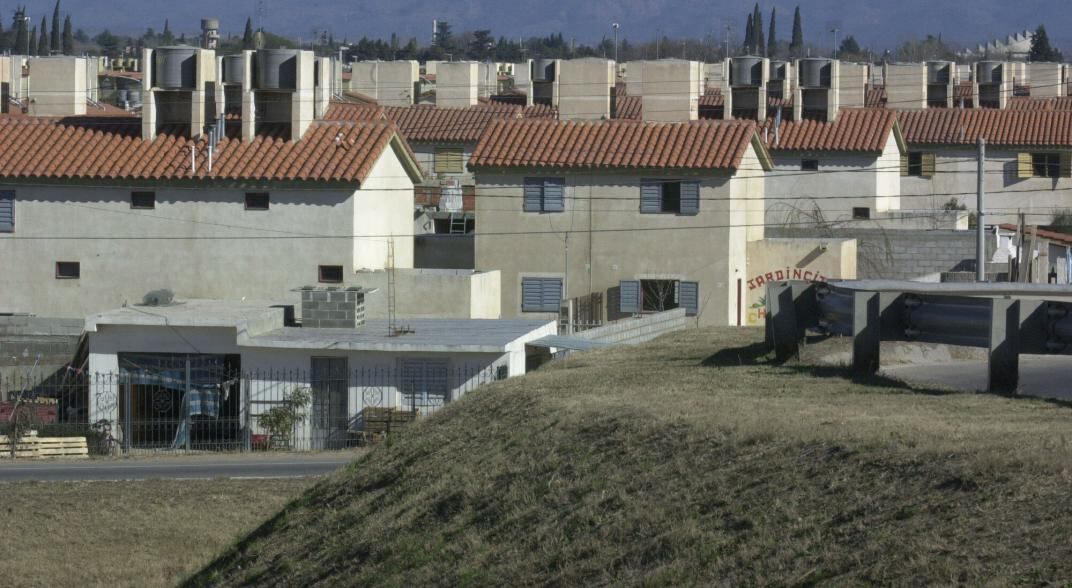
651, 196
7, 211
554, 194
690, 197
552, 294
689, 297
629, 296
533, 194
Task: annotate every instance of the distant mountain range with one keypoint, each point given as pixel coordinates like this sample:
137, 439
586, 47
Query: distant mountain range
875, 24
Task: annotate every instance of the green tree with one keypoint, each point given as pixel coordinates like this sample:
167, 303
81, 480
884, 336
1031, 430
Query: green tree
166, 37
749, 38
849, 47
796, 45
481, 44
22, 38
247, 36
54, 41
1041, 50
68, 37
758, 42
110, 44
42, 41
772, 35
31, 45
444, 37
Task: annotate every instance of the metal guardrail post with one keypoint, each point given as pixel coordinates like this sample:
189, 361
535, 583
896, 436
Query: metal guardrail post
866, 332
782, 320
1004, 356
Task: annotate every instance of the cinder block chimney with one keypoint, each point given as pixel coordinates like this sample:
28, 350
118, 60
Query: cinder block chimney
585, 89
670, 90
457, 84
332, 308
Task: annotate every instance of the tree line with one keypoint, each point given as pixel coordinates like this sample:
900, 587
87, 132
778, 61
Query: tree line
26, 39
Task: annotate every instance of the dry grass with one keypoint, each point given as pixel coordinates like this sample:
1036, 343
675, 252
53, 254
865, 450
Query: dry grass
691, 460
148, 533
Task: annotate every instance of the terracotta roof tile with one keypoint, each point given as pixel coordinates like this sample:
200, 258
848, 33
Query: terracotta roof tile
856, 129
999, 127
544, 143
87, 148
424, 123
1047, 104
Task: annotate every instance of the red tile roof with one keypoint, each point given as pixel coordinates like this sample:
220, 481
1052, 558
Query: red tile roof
1049, 104
958, 126
431, 124
539, 111
856, 129
81, 148
1064, 238
616, 144
875, 97
354, 111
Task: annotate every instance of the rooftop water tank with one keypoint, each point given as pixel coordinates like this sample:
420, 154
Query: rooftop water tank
988, 72
232, 69
543, 70
175, 68
815, 72
210, 24
746, 71
778, 71
277, 69
939, 72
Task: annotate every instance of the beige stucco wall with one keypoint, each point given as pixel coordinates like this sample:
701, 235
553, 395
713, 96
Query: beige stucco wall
432, 293
1005, 192
58, 86
609, 240
844, 180
382, 212
813, 260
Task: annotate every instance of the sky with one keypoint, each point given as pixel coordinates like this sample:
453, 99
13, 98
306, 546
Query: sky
875, 24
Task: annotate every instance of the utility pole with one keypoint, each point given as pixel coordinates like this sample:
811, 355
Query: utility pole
615, 25
980, 233
835, 31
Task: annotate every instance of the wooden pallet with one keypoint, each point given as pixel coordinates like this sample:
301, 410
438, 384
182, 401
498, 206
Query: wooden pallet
377, 422
34, 447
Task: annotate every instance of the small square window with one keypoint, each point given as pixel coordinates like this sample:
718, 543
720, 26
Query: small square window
809, 165
861, 212
330, 274
68, 270
257, 200
143, 200
1046, 165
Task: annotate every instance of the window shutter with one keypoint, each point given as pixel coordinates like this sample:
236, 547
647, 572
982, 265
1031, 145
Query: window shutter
690, 197
531, 295
552, 294
689, 297
448, 160
533, 194
7, 211
928, 165
904, 165
1066, 164
1025, 168
629, 296
651, 196
554, 194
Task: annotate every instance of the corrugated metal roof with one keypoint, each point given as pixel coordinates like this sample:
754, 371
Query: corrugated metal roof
617, 144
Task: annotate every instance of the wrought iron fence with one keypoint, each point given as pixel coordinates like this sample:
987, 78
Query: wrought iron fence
170, 405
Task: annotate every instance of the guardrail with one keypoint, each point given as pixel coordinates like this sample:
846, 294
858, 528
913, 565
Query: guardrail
1006, 319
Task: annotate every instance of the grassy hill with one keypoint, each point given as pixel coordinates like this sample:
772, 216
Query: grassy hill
689, 460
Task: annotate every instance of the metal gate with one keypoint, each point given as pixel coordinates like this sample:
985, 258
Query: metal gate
330, 415
425, 385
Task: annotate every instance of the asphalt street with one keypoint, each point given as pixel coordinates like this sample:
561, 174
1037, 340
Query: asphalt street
177, 467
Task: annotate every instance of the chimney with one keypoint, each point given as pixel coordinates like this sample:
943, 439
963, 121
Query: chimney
991, 84
390, 83
817, 96
457, 84
1047, 80
585, 89
332, 308
744, 90
58, 86
523, 80
323, 87
179, 90
670, 90
210, 33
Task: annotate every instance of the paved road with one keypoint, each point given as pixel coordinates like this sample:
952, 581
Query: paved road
1046, 376
178, 467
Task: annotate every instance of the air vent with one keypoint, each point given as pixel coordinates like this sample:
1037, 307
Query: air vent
175, 68
746, 71
162, 297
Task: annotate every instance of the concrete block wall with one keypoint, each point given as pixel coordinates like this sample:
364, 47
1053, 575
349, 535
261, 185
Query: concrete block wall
920, 255
332, 309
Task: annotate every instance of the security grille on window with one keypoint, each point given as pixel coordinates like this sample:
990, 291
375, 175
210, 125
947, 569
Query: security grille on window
809, 165
257, 201
641, 296
669, 196
448, 160
541, 294
143, 200
545, 194
7, 211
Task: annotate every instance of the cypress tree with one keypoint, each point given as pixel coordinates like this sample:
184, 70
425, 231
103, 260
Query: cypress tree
1041, 50
42, 41
772, 38
758, 44
54, 40
68, 36
796, 46
22, 39
247, 36
31, 47
748, 38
